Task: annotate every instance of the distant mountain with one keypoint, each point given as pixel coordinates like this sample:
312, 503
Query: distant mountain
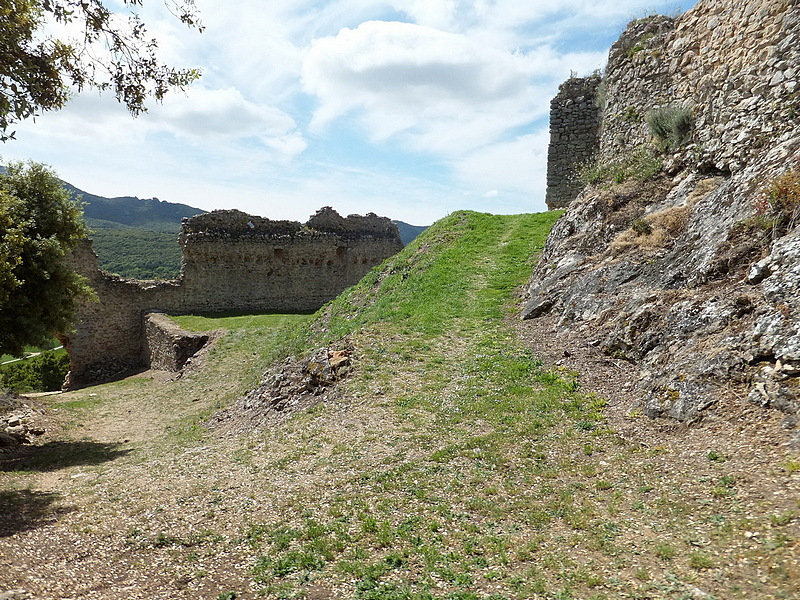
408, 233
150, 214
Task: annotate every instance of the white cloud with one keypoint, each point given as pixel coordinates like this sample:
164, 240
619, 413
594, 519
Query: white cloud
440, 92
462, 89
224, 115
511, 167
443, 91
433, 13
202, 116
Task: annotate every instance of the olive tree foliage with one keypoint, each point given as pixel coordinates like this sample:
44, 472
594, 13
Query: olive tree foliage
39, 224
109, 52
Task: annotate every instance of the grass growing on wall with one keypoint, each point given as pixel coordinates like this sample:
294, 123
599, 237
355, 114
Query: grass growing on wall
670, 125
640, 164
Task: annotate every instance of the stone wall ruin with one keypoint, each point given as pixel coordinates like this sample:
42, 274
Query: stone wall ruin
575, 117
232, 262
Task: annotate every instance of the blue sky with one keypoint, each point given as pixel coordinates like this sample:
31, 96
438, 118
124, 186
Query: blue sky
411, 109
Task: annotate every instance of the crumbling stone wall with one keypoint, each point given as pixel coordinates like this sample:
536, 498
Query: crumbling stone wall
168, 346
232, 262
677, 295
736, 65
575, 117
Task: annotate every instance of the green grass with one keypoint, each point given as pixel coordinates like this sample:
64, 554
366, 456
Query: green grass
501, 471
31, 350
453, 515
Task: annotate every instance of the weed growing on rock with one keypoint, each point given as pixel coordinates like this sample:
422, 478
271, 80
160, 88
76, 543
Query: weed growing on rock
778, 204
641, 227
670, 125
640, 164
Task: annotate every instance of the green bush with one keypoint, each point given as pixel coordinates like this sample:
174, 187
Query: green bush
137, 253
671, 125
641, 227
42, 373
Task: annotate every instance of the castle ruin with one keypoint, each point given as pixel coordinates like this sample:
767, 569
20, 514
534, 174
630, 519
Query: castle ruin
575, 117
232, 262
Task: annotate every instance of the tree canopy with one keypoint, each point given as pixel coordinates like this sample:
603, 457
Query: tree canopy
39, 224
37, 70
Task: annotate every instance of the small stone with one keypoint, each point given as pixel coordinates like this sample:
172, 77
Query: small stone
16, 595
20, 432
777, 79
759, 271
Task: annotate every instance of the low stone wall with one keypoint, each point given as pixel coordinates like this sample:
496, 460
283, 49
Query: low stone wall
232, 262
168, 345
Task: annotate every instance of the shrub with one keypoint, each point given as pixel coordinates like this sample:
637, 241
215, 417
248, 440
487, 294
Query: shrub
642, 227
671, 125
631, 115
778, 203
42, 373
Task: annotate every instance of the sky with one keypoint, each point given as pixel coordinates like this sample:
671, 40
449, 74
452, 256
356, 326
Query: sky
411, 109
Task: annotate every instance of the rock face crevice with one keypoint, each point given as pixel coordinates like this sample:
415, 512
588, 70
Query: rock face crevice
674, 274
232, 262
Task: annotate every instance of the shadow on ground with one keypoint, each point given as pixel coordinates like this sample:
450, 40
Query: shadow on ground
22, 510
59, 455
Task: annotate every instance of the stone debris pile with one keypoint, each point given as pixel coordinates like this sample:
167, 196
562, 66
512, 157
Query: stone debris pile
289, 387
294, 381
19, 427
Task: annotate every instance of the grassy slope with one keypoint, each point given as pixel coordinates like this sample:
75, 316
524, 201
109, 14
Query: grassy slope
453, 466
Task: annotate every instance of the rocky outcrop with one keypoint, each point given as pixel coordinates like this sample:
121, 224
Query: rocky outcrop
677, 274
